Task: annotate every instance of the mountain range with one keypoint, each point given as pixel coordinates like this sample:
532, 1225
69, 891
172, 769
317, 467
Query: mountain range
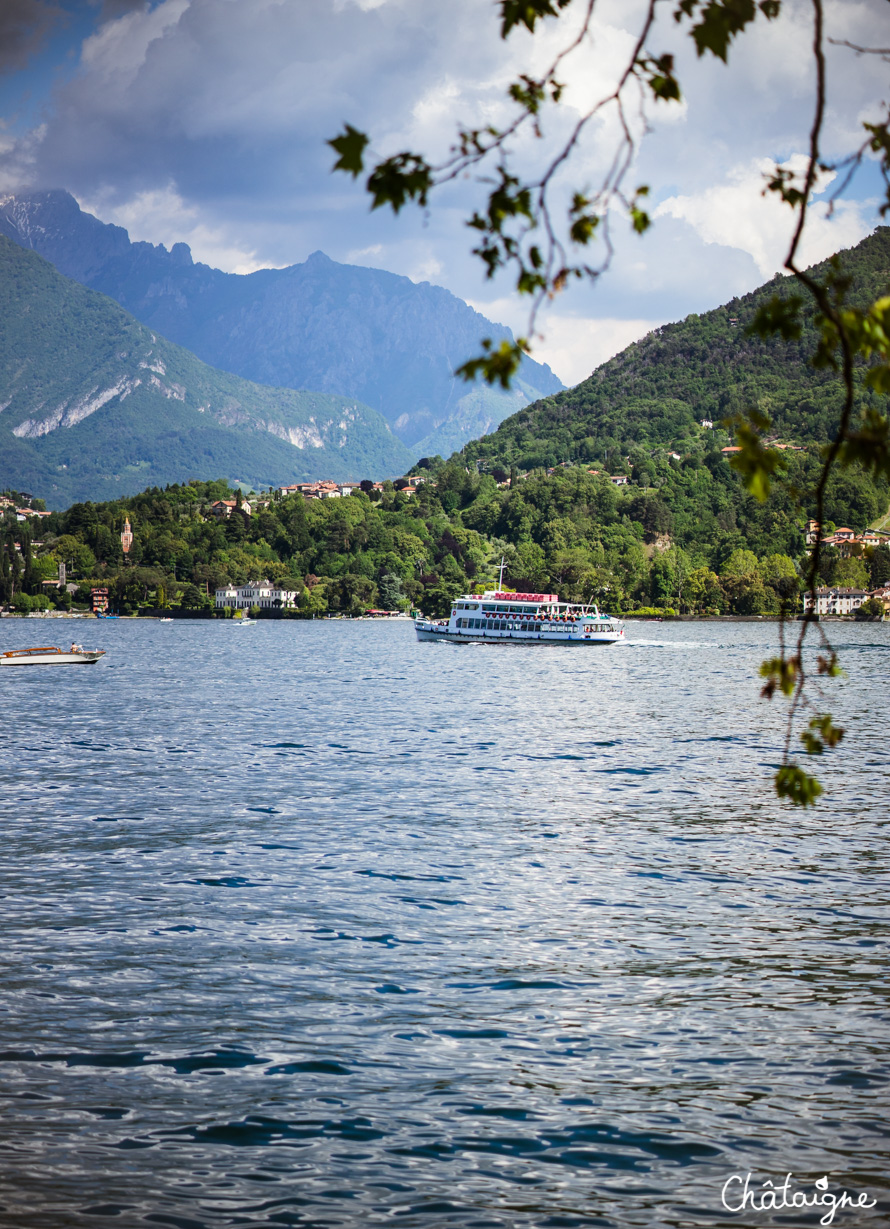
364, 334
95, 405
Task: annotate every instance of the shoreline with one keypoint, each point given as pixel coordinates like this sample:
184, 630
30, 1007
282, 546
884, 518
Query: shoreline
212, 617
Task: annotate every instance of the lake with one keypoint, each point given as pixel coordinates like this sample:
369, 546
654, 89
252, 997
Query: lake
308, 924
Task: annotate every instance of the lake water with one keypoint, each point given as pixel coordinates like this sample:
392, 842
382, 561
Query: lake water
308, 924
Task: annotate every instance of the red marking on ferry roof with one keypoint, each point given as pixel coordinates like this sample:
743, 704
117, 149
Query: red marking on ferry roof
527, 597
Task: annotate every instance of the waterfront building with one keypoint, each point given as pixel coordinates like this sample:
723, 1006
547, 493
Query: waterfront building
836, 601
259, 593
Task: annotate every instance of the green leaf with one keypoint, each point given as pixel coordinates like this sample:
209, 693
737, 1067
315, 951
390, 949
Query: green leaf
756, 463
798, 787
399, 179
496, 366
784, 184
869, 446
879, 143
721, 20
640, 219
351, 147
527, 12
781, 674
659, 74
821, 733
528, 93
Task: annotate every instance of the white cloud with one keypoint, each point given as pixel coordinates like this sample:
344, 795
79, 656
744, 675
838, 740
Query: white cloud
360, 256
737, 214
428, 269
206, 121
572, 345
119, 48
575, 347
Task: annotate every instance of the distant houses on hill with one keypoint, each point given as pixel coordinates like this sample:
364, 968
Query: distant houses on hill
21, 514
222, 509
846, 541
327, 489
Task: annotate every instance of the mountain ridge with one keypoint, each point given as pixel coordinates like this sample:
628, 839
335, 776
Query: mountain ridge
366, 333
95, 405
657, 392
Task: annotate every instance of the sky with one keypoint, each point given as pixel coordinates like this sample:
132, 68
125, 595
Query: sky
206, 121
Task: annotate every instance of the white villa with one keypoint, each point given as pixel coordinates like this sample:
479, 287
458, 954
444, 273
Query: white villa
836, 601
262, 593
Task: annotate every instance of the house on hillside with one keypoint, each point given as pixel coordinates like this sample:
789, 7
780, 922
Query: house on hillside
222, 509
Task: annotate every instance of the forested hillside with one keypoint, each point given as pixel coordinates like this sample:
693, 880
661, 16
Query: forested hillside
682, 533
656, 393
692, 541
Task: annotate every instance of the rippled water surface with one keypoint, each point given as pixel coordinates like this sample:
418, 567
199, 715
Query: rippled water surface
309, 924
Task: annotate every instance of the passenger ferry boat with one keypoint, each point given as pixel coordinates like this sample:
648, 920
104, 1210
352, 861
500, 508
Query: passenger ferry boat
521, 618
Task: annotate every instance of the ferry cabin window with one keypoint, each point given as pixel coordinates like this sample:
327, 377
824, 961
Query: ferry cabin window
489, 608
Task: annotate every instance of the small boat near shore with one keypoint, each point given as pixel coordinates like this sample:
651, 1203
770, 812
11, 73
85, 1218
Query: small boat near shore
51, 656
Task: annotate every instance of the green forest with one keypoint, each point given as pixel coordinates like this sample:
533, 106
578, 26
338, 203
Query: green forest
682, 537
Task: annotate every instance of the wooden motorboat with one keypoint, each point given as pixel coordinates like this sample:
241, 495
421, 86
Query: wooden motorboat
51, 656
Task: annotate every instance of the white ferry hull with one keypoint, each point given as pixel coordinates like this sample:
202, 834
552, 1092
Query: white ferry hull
445, 636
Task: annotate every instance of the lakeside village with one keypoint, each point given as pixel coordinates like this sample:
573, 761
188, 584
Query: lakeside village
34, 573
